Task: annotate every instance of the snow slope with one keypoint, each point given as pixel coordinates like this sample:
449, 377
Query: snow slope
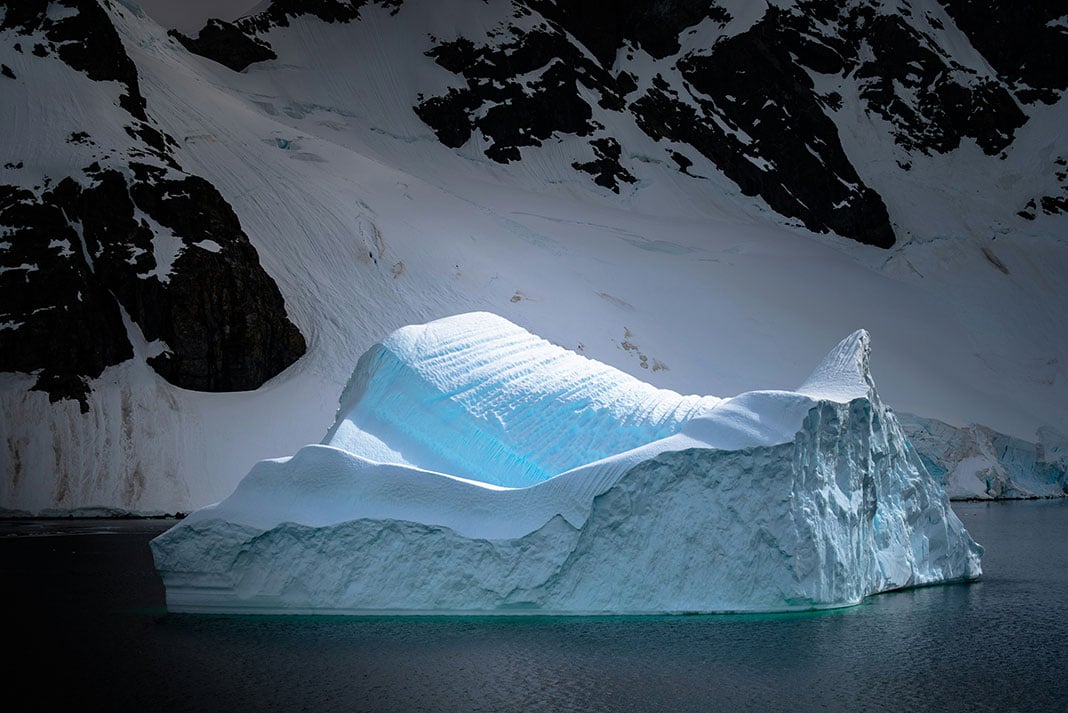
367, 223
474, 467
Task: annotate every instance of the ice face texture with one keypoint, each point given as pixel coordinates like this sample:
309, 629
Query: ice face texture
474, 467
978, 463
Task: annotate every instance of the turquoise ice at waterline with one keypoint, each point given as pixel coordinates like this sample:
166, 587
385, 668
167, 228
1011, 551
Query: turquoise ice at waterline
476, 468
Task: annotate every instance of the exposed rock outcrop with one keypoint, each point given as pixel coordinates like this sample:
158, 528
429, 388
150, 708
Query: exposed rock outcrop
226, 44
133, 236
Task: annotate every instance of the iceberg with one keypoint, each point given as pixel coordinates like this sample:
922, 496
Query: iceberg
474, 467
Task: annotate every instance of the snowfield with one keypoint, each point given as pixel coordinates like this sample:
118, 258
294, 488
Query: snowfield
476, 468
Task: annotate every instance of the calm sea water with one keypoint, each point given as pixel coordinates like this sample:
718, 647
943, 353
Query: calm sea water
84, 614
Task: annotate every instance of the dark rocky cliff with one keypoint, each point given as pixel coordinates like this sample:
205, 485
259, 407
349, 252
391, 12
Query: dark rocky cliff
745, 101
130, 234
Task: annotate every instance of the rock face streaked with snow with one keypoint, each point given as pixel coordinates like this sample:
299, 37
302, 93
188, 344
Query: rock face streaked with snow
116, 235
474, 467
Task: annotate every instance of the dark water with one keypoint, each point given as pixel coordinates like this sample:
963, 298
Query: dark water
83, 610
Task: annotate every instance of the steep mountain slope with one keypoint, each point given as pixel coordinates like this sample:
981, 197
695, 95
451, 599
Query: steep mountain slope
684, 195
114, 228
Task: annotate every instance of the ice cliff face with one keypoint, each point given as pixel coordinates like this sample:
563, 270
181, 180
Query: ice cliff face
476, 468
978, 463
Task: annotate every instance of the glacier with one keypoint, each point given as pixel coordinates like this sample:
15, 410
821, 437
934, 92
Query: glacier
976, 462
474, 467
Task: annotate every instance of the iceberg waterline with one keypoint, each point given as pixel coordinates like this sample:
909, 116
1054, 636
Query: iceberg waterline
474, 467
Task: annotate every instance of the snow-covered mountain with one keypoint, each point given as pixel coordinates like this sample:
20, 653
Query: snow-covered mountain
199, 235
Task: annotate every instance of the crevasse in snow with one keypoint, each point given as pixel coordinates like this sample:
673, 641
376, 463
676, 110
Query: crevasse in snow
474, 467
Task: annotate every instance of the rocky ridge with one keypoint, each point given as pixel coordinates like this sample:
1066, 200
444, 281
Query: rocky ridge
752, 99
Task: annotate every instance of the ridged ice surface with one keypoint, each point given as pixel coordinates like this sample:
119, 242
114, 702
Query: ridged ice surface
478, 397
474, 467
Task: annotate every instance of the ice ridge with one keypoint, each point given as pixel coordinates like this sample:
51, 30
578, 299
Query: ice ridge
478, 397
